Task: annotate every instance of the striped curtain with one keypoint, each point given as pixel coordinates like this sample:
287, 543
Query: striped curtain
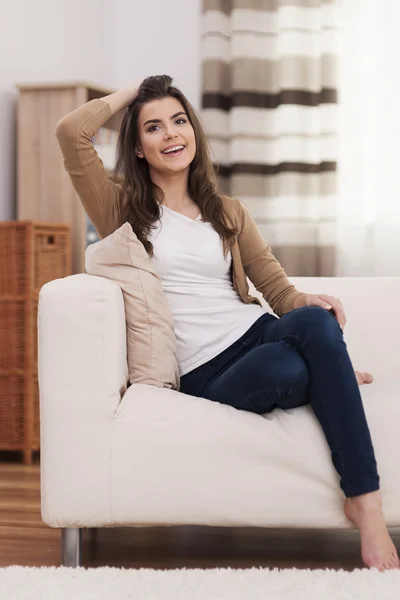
269, 79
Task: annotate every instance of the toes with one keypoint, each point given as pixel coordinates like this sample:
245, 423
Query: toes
395, 563
385, 562
359, 378
392, 562
367, 377
363, 377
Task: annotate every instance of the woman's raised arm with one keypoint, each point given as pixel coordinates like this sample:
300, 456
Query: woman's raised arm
100, 196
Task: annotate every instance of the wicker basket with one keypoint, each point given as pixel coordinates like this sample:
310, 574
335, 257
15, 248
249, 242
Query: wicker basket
18, 342
32, 253
18, 417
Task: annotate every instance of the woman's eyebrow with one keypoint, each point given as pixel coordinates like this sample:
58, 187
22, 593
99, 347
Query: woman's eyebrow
181, 112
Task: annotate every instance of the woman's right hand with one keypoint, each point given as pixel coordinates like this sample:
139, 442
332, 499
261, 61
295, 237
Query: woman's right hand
133, 91
122, 98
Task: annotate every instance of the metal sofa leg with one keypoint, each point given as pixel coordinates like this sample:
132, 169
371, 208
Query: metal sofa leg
71, 547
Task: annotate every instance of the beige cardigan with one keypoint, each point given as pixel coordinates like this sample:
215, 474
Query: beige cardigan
101, 198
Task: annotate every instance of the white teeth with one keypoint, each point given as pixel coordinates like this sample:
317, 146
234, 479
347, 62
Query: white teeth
172, 149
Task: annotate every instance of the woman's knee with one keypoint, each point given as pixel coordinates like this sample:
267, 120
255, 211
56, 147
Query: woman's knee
317, 320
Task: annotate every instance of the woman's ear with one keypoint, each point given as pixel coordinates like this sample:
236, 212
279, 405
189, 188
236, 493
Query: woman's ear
139, 153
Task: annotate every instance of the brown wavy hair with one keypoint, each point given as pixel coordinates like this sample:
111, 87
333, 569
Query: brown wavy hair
142, 197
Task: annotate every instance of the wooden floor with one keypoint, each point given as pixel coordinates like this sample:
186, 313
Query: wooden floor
26, 540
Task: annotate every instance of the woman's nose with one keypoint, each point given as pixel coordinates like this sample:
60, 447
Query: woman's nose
170, 132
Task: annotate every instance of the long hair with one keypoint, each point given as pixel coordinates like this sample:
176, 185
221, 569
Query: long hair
142, 197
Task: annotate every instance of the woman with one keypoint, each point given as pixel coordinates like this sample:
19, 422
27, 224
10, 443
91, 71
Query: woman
203, 245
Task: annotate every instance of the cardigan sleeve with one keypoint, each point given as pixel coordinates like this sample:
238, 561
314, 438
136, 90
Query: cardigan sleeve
262, 268
99, 195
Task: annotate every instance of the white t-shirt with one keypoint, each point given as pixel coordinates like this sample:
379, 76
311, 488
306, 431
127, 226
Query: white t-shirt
209, 314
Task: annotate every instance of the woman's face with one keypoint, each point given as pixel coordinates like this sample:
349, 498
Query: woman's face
163, 124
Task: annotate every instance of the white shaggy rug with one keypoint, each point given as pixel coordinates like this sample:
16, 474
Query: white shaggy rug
51, 583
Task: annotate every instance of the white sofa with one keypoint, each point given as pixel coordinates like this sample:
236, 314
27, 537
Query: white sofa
145, 456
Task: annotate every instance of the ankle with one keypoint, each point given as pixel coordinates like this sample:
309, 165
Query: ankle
370, 501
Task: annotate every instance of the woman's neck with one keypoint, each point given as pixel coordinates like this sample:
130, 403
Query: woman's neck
174, 187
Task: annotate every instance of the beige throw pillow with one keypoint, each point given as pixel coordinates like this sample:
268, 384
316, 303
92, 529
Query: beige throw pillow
151, 340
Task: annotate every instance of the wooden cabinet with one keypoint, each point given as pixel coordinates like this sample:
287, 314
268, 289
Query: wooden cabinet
44, 190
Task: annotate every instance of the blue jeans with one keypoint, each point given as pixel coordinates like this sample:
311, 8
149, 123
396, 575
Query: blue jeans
298, 359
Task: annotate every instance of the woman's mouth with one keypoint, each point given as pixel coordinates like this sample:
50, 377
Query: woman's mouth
174, 151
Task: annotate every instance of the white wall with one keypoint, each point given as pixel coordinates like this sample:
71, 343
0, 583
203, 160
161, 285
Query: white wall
156, 37
111, 43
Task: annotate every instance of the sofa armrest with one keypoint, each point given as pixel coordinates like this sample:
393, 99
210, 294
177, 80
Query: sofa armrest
82, 377
373, 326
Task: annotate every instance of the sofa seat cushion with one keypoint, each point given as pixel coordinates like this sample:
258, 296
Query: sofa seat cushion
178, 459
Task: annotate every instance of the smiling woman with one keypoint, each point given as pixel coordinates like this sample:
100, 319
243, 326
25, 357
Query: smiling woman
229, 348
154, 135
163, 157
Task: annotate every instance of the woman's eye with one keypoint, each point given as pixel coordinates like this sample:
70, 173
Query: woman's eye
150, 129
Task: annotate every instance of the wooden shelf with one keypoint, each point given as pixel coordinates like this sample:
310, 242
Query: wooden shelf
92, 88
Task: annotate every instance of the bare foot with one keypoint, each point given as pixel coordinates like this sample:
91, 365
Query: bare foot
363, 377
377, 548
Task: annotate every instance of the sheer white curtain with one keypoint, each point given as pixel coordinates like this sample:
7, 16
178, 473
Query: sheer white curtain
369, 139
